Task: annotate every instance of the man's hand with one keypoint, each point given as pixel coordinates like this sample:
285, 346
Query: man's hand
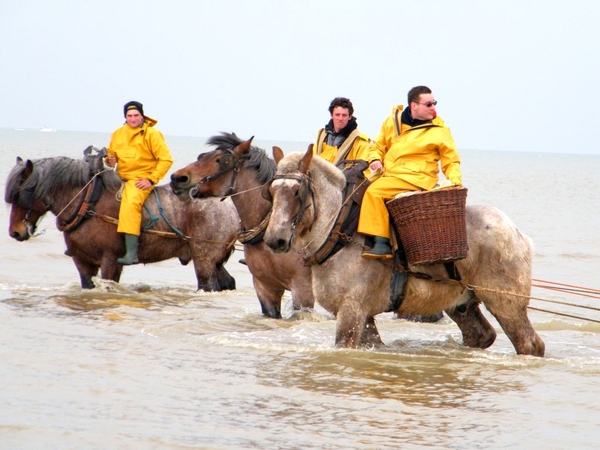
375, 166
111, 160
143, 183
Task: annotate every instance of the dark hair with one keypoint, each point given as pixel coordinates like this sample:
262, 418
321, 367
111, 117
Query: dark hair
415, 93
343, 103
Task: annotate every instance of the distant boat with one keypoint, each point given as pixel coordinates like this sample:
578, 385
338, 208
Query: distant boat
47, 129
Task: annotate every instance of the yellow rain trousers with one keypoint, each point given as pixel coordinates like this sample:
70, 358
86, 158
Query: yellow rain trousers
410, 159
141, 153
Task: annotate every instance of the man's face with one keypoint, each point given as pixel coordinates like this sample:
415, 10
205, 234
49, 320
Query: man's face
424, 109
133, 118
340, 117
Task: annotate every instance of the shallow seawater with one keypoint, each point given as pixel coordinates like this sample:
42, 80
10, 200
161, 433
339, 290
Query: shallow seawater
151, 363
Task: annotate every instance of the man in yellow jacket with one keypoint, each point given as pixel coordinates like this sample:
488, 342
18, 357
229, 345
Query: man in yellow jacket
340, 138
142, 158
409, 147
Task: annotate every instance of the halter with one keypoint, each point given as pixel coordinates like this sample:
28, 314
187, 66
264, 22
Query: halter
303, 191
25, 199
229, 162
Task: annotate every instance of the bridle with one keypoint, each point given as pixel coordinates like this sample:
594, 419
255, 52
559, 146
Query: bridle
304, 190
229, 162
25, 199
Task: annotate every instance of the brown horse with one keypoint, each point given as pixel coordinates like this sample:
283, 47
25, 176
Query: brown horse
83, 197
307, 195
239, 170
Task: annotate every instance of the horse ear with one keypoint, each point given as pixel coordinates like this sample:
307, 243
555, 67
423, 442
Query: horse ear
28, 168
19, 160
304, 164
277, 154
243, 147
266, 192
88, 150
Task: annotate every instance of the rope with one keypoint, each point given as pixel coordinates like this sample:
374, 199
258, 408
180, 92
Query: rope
73, 199
334, 217
564, 314
573, 287
563, 284
243, 192
163, 215
571, 291
169, 234
471, 287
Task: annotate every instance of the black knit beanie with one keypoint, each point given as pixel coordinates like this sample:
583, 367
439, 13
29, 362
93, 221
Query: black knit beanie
133, 105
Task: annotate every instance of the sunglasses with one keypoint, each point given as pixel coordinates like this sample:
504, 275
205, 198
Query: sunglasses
429, 104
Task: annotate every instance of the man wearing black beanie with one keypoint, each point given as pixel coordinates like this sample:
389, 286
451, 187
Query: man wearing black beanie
142, 158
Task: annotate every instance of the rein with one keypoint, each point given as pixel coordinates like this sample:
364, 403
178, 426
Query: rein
85, 209
356, 184
336, 238
230, 163
234, 163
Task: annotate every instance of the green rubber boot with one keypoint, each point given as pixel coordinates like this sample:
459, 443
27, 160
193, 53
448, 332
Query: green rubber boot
131, 245
381, 250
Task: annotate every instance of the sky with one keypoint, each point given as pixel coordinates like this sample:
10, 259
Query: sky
512, 75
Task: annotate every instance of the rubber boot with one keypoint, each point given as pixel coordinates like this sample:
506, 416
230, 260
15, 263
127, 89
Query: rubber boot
131, 245
381, 250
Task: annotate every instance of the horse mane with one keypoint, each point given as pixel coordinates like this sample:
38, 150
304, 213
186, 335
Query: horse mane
49, 174
321, 170
265, 167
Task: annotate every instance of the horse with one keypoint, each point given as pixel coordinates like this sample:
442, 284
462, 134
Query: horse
83, 197
307, 194
239, 170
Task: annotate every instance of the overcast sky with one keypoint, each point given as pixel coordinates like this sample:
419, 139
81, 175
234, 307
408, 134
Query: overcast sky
518, 75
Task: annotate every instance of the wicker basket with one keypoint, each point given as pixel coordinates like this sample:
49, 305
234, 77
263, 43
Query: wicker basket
431, 224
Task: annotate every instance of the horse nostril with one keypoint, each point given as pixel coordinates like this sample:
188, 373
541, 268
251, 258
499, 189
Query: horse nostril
179, 178
280, 245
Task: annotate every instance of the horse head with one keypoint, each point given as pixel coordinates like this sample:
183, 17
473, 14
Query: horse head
293, 197
214, 173
26, 210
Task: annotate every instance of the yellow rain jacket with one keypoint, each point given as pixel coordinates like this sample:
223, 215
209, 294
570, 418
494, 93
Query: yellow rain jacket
141, 153
356, 146
410, 157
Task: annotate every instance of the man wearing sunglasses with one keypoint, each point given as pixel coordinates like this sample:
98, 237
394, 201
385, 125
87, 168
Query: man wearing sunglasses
407, 151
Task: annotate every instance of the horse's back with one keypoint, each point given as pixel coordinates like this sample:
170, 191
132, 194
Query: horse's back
488, 228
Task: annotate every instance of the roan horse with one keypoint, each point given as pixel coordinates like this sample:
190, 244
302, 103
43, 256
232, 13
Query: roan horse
307, 195
83, 197
239, 170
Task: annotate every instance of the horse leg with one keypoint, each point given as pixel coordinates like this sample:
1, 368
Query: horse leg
225, 282
86, 272
110, 270
207, 275
302, 294
350, 328
370, 337
511, 314
269, 297
476, 330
